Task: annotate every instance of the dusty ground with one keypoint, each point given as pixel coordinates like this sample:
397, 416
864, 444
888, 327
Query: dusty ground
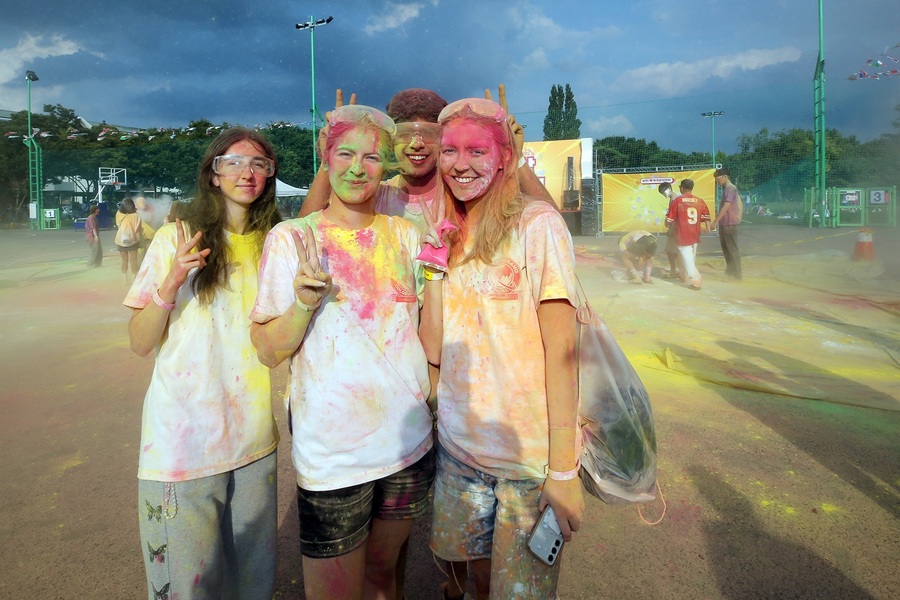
779, 478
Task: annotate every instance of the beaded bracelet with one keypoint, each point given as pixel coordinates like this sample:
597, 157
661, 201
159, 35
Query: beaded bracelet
162, 303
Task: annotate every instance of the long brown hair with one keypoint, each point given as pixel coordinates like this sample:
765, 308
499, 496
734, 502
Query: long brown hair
207, 212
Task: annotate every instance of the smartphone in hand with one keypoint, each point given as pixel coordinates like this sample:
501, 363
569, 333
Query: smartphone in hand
546, 539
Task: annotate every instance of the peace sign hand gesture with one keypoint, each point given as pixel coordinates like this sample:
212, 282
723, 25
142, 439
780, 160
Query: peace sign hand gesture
435, 252
186, 257
311, 284
323, 132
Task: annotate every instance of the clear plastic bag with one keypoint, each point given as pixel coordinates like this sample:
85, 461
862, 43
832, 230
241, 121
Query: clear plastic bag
618, 459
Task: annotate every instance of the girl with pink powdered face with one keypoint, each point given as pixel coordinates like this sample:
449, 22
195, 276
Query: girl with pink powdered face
501, 324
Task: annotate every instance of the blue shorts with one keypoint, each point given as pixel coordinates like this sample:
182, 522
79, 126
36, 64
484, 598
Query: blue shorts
480, 516
335, 522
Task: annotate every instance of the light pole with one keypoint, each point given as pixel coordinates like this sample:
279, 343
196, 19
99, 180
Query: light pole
713, 115
35, 183
311, 25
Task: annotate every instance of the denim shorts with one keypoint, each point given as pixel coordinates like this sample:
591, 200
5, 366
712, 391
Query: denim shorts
335, 522
481, 516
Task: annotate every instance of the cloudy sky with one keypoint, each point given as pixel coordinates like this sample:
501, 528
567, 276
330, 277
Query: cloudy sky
644, 68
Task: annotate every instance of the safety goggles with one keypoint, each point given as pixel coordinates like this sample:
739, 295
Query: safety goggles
236, 164
473, 107
428, 133
358, 113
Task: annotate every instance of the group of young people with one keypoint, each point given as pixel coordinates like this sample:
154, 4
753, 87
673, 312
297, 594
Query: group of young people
374, 337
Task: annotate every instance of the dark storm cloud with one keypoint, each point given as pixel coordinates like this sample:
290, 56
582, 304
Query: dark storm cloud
642, 71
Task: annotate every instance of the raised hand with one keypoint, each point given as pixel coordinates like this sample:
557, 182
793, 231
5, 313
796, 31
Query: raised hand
338, 102
434, 252
339, 98
517, 130
311, 284
186, 256
431, 236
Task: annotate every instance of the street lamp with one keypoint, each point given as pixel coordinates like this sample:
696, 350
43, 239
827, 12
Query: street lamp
35, 177
311, 25
713, 115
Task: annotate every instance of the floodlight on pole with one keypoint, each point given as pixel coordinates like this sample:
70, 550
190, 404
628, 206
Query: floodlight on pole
311, 25
35, 176
712, 115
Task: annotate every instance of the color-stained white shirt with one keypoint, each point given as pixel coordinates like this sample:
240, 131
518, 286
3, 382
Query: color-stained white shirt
208, 409
359, 380
492, 396
392, 201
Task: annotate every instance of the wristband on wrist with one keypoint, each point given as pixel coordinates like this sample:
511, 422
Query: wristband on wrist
564, 475
306, 307
431, 275
162, 303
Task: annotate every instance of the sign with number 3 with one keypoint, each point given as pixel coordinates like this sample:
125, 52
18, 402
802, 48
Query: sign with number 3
878, 196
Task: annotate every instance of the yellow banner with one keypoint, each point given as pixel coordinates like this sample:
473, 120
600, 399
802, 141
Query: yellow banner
550, 162
631, 201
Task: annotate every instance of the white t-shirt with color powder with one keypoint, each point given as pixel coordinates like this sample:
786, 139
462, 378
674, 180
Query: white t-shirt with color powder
492, 399
393, 201
208, 409
359, 380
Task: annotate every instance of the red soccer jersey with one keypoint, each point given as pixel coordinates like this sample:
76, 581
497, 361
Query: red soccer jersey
687, 212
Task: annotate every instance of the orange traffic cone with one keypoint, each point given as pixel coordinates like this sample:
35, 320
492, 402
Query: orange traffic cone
865, 245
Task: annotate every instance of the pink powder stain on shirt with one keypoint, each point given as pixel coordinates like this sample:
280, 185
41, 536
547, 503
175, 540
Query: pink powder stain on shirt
147, 447
367, 310
366, 238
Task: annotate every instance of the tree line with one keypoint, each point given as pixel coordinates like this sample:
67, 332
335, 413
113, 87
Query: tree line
156, 159
775, 165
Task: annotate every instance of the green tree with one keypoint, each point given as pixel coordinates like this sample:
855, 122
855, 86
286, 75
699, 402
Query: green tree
561, 121
571, 124
553, 119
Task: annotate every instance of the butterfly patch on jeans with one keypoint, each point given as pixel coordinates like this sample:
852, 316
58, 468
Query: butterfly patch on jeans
161, 594
158, 555
154, 512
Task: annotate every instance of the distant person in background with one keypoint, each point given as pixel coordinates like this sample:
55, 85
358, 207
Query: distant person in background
676, 268
729, 218
128, 237
176, 209
688, 213
92, 235
638, 248
146, 210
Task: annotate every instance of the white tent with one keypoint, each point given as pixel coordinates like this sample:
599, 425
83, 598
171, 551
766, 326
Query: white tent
283, 189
